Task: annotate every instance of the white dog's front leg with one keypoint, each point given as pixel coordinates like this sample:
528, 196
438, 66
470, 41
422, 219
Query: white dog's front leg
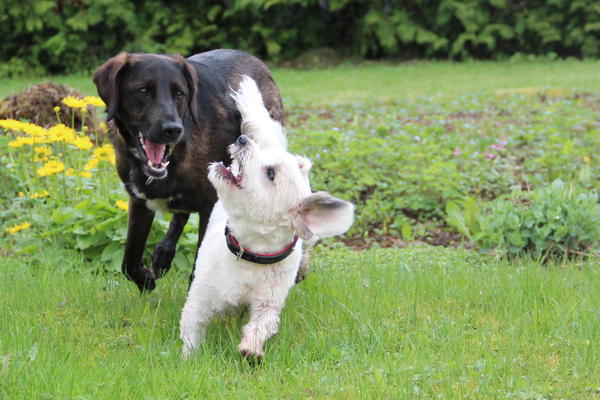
192, 326
264, 323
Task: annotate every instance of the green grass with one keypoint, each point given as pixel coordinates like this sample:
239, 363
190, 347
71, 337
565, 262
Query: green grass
396, 81
414, 323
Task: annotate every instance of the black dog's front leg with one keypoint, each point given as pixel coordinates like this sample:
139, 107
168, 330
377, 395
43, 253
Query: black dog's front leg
165, 250
138, 227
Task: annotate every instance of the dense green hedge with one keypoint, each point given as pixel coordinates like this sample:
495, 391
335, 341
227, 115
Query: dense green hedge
61, 36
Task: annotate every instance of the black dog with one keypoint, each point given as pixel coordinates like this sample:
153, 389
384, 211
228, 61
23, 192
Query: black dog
173, 117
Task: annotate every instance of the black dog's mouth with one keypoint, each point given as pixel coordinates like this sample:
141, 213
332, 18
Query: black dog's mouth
154, 157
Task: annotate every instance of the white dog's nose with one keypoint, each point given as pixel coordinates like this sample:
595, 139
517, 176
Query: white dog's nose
242, 140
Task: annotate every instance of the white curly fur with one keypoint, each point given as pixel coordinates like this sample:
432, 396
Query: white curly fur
263, 215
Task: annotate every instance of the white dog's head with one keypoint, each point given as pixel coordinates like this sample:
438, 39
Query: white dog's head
268, 189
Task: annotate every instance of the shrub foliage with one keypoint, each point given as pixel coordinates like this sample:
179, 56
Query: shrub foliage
560, 220
45, 35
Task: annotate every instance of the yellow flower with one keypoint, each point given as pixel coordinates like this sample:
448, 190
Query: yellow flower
85, 174
25, 127
82, 142
21, 194
74, 102
17, 228
50, 168
94, 101
10, 124
40, 195
56, 109
105, 153
103, 127
42, 153
34, 130
91, 164
123, 205
19, 142
586, 159
61, 133
70, 172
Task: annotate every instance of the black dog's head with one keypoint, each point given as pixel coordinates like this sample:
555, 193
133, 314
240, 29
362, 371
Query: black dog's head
149, 96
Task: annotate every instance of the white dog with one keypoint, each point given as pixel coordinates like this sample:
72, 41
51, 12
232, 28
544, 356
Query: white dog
253, 245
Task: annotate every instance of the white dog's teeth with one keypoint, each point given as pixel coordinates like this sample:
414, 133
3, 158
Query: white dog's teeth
166, 164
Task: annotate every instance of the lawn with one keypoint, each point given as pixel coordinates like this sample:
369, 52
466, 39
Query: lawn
396, 81
401, 141
421, 322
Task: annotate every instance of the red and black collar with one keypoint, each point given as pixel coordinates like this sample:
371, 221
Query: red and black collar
258, 258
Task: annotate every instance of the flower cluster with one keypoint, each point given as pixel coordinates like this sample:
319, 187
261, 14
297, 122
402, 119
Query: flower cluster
32, 134
56, 161
43, 140
74, 102
82, 104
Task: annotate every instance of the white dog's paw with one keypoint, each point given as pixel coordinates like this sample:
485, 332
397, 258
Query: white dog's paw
186, 351
250, 353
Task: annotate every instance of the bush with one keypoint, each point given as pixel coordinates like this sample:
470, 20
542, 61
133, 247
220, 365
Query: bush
403, 162
557, 221
65, 36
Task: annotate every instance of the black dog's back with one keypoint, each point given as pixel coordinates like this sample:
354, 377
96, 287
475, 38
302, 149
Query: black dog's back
221, 70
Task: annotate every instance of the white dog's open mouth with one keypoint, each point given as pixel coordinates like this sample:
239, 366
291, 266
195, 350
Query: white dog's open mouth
227, 174
156, 156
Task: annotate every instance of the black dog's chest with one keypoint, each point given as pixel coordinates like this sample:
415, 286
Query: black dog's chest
168, 194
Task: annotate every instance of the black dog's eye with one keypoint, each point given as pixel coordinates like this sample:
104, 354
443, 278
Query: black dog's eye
271, 174
144, 90
179, 95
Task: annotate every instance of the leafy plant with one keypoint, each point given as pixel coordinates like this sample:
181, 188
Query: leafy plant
560, 220
430, 164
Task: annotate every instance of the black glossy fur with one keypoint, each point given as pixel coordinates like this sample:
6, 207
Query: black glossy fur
184, 105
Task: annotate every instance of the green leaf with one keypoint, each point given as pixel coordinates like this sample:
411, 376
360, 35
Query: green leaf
455, 218
407, 232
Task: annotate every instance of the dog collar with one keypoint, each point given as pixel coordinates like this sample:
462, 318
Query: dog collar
257, 258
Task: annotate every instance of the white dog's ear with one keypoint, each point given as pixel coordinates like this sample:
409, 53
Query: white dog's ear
304, 164
323, 215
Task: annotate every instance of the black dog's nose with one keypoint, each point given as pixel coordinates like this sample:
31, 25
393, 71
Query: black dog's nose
242, 140
172, 129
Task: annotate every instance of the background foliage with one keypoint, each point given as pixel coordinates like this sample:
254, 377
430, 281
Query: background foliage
62, 36
436, 169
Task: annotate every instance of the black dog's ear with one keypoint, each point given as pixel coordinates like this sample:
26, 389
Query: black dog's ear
106, 79
192, 80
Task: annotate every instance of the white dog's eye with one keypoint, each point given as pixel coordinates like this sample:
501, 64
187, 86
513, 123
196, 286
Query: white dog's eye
271, 174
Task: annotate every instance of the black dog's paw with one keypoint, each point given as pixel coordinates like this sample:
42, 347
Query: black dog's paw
149, 282
143, 278
162, 257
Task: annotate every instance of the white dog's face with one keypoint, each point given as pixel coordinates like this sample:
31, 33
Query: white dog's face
262, 184
270, 188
